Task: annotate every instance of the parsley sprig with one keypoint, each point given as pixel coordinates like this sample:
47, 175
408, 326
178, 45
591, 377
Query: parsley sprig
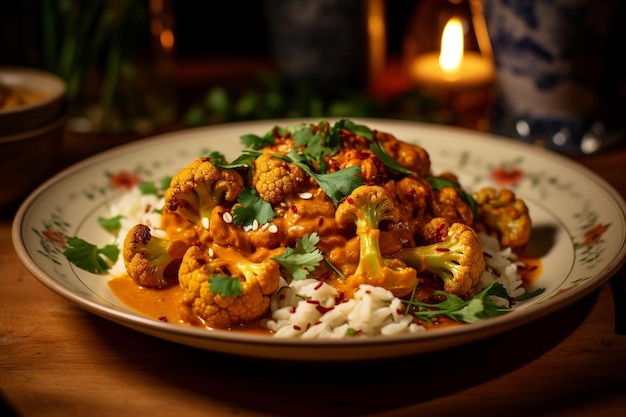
303, 258
336, 184
90, 257
252, 207
225, 285
476, 309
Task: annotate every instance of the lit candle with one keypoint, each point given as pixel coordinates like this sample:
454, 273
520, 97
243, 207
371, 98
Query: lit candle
453, 68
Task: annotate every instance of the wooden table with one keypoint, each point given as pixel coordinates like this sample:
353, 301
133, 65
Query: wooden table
58, 360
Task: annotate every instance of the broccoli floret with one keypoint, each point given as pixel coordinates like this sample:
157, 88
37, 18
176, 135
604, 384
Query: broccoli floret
504, 216
151, 262
367, 206
199, 187
457, 259
226, 289
274, 178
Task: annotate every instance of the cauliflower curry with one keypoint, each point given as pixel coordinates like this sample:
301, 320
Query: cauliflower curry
339, 202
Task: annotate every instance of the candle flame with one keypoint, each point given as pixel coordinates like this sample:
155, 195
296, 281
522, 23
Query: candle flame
451, 46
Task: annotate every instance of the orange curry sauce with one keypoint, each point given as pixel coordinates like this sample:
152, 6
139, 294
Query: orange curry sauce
164, 304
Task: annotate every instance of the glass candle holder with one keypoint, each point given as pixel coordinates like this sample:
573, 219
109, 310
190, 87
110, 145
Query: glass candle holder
447, 54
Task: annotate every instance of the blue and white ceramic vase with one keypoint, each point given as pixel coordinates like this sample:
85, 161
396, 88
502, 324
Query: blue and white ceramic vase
555, 71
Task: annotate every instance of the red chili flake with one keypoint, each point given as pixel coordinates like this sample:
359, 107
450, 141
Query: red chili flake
362, 155
320, 221
368, 292
293, 209
441, 233
323, 309
443, 250
324, 276
399, 311
163, 318
350, 200
148, 208
298, 328
340, 298
313, 302
292, 309
317, 322
318, 285
379, 165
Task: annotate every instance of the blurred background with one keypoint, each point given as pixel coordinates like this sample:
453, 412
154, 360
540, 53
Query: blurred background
142, 67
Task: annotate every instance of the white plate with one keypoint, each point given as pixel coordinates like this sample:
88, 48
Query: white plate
579, 229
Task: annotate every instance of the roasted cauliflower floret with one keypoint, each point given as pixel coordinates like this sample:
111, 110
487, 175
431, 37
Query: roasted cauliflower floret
504, 215
458, 259
199, 187
274, 178
226, 289
366, 207
151, 262
412, 157
452, 206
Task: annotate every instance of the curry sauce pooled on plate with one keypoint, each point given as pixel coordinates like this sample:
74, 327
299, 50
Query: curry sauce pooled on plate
324, 230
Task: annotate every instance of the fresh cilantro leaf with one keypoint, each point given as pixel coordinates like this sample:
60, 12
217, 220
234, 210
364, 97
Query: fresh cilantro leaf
257, 142
360, 130
337, 184
112, 224
317, 142
439, 183
89, 257
252, 207
476, 309
340, 183
531, 294
225, 286
245, 160
216, 157
377, 149
303, 258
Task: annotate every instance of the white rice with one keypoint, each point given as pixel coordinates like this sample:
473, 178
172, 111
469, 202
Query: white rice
135, 208
502, 267
373, 311
294, 308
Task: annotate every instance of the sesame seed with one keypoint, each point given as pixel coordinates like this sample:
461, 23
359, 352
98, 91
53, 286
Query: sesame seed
205, 222
211, 252
255, 224
227, 217
273, 229
305, 196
